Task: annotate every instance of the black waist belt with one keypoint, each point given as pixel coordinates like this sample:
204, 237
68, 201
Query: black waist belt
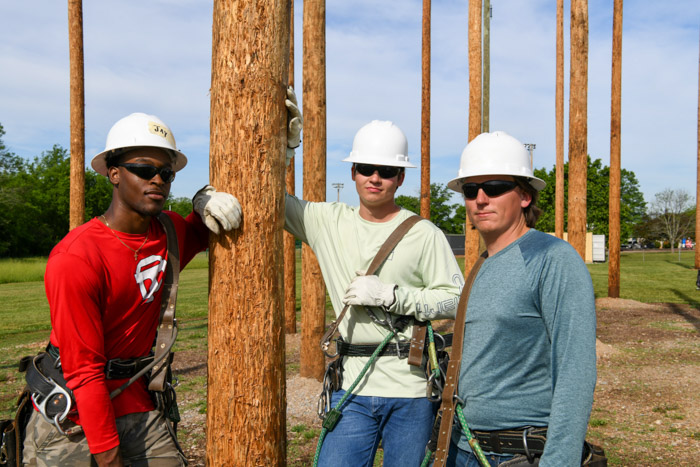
366, 350
116, 368
528, 440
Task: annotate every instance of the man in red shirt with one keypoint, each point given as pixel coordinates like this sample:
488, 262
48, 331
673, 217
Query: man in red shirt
103, 283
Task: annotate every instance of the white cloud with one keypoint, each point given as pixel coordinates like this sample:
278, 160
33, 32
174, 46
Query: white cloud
156, 57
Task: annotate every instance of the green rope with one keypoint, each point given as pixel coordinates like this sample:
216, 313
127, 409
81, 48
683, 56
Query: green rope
348, 393
473, 442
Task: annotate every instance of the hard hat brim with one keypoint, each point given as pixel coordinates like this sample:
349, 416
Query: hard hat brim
376, 161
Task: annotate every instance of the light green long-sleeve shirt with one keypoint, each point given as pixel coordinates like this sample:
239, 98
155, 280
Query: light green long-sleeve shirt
422, 265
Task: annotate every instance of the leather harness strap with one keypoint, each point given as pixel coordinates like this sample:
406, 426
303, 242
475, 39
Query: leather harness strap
389, 244
447, 407
166, 329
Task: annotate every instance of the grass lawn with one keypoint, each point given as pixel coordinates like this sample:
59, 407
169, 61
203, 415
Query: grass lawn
646, 276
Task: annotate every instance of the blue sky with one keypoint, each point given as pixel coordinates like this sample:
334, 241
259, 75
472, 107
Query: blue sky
155, 57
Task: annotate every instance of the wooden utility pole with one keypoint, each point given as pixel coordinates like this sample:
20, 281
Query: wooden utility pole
697, 189
246, 407
290, 256
615, 163
77, 114
559, 170
425, 117
471, 236
487, 67
578, 126
313, 290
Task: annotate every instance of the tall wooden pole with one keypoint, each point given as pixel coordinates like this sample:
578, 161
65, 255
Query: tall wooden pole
615, 164
697, 190
313, 290
246, 374
559, 171
471, 237
77, 114
290, 257
425, 117
487, 67
578, 126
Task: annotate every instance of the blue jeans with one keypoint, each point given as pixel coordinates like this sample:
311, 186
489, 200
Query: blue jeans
403, 425
460, 458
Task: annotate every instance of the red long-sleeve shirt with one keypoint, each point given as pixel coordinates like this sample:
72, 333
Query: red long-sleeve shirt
106, 305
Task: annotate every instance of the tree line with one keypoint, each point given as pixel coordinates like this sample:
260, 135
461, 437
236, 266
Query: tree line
35, 203
35, 200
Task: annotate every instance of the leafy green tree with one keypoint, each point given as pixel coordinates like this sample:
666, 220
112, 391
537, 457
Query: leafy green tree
448, 217
181, 205
632, 205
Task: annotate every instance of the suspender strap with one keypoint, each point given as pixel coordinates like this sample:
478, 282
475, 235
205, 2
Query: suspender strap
167, 328
447, 408
379, 258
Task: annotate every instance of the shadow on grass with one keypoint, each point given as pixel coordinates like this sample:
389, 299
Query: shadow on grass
680, 265
190, 369
678, 309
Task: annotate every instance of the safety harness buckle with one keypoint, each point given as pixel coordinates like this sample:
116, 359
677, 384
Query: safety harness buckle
57, 399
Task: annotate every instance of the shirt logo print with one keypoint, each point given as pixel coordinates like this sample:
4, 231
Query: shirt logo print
149, 276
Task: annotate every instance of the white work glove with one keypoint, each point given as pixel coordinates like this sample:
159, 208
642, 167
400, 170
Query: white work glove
294, 124
217, 209
369, 291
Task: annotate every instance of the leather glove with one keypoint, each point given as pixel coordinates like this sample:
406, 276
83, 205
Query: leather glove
217, 209
294, 124
369, 291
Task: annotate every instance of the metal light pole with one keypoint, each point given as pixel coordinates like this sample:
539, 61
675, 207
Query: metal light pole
338, 186
530, 147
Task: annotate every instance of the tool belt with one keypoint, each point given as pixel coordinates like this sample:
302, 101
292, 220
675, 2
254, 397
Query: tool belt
365, 350
530, 442
527, 440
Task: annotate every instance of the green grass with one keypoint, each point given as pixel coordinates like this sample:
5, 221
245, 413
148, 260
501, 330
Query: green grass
22, 270
24, 317
651, 277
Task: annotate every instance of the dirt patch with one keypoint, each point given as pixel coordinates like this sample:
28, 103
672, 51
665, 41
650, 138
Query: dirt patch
646, 409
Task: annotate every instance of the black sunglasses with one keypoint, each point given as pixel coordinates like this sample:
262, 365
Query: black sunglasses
492, 188
147, 172
384, 171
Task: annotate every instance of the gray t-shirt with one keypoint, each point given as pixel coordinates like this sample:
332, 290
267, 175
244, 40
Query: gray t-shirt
529, 345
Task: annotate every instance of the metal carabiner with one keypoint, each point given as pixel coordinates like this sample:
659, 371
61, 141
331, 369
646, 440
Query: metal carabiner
530, 457
41, 402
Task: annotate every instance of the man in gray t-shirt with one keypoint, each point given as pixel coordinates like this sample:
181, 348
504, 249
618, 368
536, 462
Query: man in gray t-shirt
529, 342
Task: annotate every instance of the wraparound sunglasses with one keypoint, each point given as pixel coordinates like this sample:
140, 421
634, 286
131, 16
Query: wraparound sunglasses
492, 188
147, 172
384, 171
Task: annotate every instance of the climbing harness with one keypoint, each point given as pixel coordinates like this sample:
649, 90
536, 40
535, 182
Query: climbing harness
331, 418
451, 404
332, 380
386, 248
44, 376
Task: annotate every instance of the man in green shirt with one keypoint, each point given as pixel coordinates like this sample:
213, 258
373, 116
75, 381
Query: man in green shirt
420, 280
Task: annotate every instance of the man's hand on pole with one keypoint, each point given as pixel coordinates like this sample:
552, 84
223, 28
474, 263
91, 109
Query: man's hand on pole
294, 124
217, 209
369, 291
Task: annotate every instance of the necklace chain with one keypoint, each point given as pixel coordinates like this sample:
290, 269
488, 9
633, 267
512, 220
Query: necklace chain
136, 251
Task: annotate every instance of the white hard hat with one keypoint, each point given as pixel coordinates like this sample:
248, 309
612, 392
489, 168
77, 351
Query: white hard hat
139, 130
495, 153
380, 143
